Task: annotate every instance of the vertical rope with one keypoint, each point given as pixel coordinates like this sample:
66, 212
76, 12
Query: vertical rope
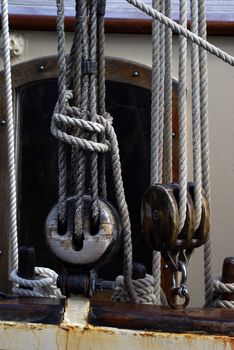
101, 90
84, 99
74, 65
167, 139
61, 104
182, 117
93, 108
10, 137
156, 135
196, 125
205, 145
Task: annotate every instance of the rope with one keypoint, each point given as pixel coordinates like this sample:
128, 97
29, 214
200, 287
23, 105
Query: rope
205, 146
182, 117
219, 288
196, 123
44, 285
93, 109
101, 89
61, 102
81, 157
183, 31
156, 136
144, 288
10, 137
167, 137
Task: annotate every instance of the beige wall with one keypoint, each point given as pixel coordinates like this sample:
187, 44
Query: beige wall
221, 110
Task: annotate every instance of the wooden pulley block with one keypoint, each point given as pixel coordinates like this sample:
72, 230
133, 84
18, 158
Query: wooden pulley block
201, 234
96, 246
185, 237
160, 217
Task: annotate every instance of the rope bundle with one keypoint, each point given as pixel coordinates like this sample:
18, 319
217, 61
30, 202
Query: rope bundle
144, 288
219, 288
84, 71
44, 284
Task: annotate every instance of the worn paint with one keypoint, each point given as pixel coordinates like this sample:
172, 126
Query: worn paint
76, 334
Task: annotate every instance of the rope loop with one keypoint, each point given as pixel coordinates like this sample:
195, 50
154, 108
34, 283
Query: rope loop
62, 127
44, 284
144, 288
219, 288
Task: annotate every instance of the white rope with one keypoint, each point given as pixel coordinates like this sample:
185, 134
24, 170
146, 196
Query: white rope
157, 116
219, 288
44, 284
182, 111
144, 288
208, 278
224, 56
196, 122
10, 137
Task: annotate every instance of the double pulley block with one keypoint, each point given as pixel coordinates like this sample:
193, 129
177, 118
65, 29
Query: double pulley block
160, 225
96, 246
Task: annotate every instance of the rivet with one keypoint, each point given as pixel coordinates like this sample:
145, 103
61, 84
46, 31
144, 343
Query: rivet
135, 74
41, 68
173, 134
156, 215
2, 122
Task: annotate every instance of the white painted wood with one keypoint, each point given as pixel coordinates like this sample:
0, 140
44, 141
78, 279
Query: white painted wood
76, 334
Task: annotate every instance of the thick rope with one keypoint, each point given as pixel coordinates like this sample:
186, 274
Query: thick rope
156, 136
219, 288
61, 102
93, 109
208, 278
101, 90
183, 31
167, 137
182, 117
196, 124
44, 285
144, 288
10, 137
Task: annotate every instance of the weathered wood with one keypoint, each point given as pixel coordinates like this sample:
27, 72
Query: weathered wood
160, 318
33, 310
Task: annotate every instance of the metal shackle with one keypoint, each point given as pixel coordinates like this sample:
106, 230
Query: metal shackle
95, 246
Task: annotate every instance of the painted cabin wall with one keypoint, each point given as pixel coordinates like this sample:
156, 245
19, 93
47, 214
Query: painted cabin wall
221, 108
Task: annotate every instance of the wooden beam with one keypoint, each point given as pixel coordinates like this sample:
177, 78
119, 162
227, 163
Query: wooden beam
160, 318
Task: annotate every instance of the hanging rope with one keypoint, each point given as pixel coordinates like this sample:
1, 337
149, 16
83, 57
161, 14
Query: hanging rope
101, 91
61, 102
167, 137
205, 145
196, 123
156, 135
10, 137
182, 117
183, 31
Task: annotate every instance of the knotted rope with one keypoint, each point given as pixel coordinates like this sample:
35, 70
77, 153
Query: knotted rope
144, 288
44, 284
219, 288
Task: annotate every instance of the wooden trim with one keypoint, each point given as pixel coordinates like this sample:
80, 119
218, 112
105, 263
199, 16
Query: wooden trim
28, 18
160, 318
